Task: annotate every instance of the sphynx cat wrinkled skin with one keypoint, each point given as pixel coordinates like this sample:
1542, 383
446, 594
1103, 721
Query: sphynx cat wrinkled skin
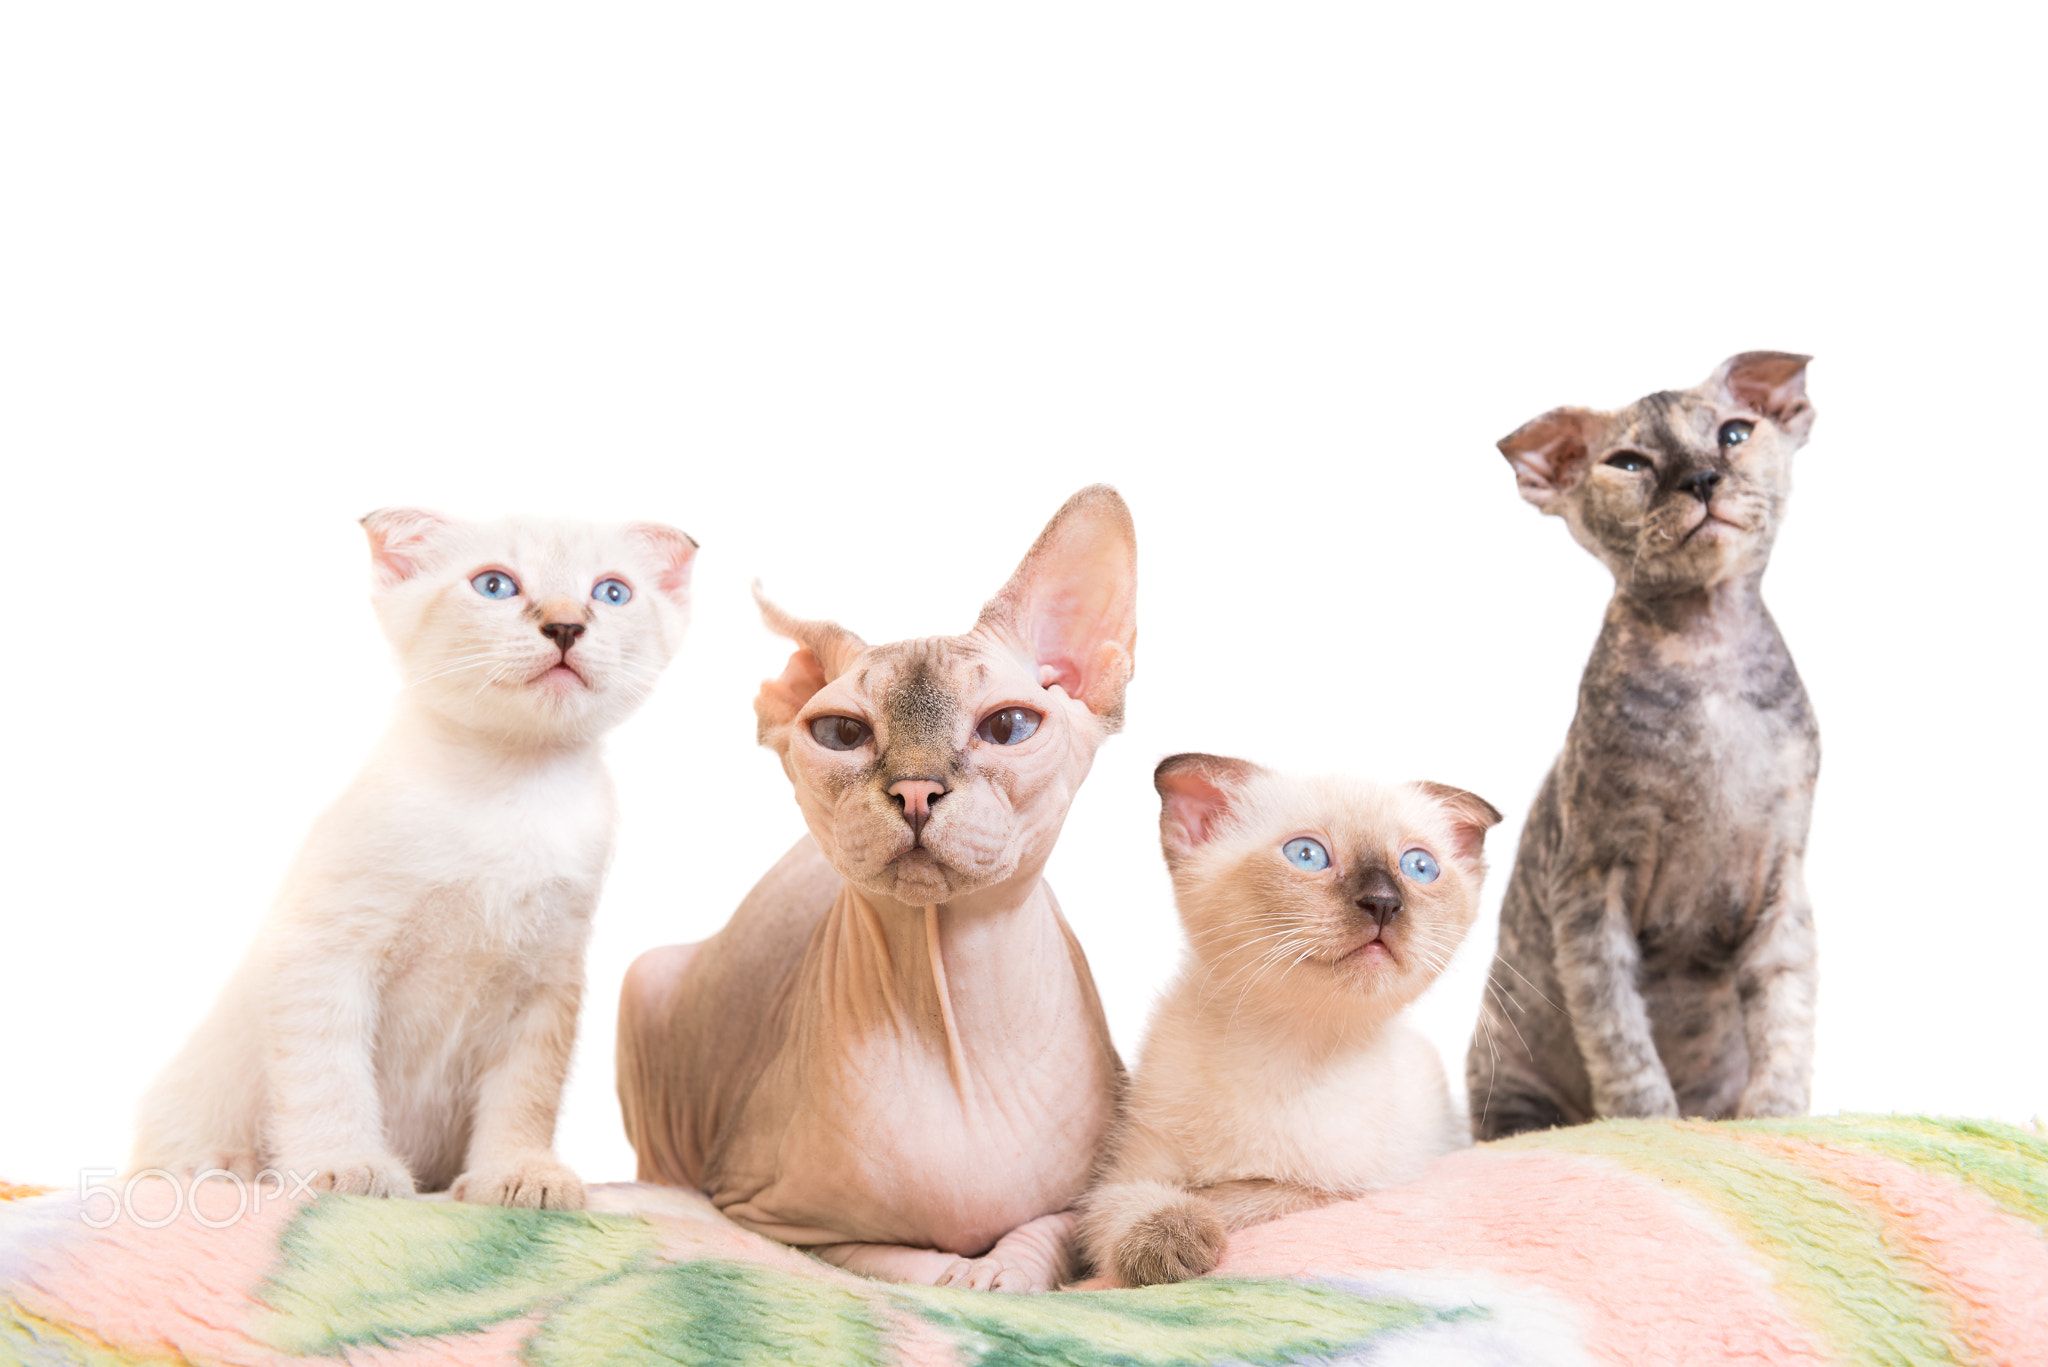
893, 1054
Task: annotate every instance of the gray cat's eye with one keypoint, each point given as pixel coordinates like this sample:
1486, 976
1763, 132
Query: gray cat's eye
1630, 461
1009, 725
839, 733
1737, 432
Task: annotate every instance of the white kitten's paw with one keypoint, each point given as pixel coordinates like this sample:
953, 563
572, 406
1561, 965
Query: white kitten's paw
239, 1163
534, 1180
352, 1174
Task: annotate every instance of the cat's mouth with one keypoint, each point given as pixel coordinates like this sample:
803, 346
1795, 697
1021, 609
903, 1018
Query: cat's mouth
1370, 953
1721, 525
560, 674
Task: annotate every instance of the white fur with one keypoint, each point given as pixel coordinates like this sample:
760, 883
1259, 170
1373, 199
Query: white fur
406, 1014
1278, 1071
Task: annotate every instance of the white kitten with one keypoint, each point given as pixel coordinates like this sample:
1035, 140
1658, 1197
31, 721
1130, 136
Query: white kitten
406, 1015
1276, 1073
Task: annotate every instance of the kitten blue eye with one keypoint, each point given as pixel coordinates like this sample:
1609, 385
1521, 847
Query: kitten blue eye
1737, 432
1009, 726
613, 591
495, 584
1630, 461
1306, 854
1418, 865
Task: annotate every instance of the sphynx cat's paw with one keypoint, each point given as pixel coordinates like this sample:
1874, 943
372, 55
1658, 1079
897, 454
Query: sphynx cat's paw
1035, 1256
351, 1174
533, 1180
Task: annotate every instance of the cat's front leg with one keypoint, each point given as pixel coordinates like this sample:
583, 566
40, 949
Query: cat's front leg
325, 1124
511, 1160
1035, 1256
1774, 974
1143, 1232
1597, 960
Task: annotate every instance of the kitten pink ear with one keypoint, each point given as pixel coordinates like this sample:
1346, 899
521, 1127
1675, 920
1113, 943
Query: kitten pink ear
675, 552
1071, 607
825, 651
1772, 383
1472, 816
399, 540
1549, 453
1195, 796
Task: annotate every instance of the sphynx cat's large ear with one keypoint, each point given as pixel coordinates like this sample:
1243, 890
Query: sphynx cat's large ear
1071, 607
824, 650
1472, 816
1550, 453
675, 552
1196, 793
1772, 383
399, 540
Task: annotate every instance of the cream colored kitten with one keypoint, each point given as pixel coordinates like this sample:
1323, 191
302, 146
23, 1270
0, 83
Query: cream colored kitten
405, 1017
1277, 1074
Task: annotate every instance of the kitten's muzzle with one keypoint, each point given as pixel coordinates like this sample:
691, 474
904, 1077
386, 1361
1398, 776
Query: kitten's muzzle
563, 634
1701, 484
1380, 898
917, 796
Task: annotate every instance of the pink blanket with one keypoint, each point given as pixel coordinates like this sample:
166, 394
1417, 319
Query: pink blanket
1850, 1240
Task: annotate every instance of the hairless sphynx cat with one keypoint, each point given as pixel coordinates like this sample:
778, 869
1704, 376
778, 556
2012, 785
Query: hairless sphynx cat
893, 1054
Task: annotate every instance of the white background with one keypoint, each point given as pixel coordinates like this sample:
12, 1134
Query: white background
858, 294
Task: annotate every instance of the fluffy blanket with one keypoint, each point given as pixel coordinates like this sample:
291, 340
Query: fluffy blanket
1850, 1240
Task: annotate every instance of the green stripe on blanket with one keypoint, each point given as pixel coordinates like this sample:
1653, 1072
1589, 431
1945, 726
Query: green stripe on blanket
356, 1272
2004, 1162
1827, 1252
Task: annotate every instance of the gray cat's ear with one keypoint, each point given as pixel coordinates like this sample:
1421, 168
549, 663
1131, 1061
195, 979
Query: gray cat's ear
674, 553
1071, 607
1196, 793
399, 540
1772, 383
1472, 816
1549, 453
825, 649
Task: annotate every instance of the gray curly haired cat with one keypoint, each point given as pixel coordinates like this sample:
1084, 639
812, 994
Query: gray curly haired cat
1656, 949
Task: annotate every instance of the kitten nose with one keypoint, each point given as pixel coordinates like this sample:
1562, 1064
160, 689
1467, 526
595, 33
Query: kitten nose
917, 796
1381, 898
563, 634
1701, 484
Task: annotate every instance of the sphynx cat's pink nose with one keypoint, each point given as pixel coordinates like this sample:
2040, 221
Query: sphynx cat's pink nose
917, 796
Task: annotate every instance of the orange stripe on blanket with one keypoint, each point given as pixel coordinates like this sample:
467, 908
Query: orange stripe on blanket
1650, 1275
2000, 1301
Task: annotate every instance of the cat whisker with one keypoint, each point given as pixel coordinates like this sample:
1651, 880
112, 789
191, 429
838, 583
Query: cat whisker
1533, 988
1497, 996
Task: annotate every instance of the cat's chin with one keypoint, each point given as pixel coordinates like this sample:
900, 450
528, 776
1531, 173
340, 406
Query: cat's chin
917, 878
